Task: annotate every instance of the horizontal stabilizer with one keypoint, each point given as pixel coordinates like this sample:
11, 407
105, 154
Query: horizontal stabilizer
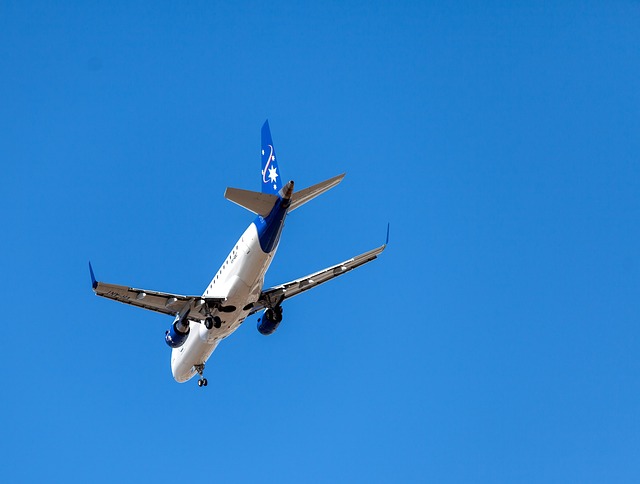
256, 202
303, 196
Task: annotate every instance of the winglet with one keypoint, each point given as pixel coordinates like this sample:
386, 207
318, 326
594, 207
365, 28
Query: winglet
388, 226
94, 283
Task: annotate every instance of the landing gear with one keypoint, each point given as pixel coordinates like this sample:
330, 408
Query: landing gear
202, 381
213, 322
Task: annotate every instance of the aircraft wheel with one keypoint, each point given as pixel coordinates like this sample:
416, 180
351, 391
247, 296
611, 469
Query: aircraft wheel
217, 322
199, 383
208, 323
204, 382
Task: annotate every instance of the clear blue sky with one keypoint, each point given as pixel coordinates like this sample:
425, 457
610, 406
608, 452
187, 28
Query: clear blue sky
497, 339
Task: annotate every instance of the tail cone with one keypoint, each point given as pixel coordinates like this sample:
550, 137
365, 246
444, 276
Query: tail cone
287, 191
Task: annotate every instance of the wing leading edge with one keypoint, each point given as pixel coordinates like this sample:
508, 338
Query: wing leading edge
275, 295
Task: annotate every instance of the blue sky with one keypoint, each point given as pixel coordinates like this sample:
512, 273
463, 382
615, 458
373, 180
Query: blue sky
497, 338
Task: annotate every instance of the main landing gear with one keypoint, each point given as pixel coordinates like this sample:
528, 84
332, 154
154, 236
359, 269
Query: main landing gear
202, 381
213, 322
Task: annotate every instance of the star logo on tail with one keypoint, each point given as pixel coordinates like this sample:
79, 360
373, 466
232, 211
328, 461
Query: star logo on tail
273, 174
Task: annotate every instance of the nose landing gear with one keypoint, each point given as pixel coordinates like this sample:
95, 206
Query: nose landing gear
202, 381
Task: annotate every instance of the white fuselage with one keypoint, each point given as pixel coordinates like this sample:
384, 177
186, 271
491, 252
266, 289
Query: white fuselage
240, 281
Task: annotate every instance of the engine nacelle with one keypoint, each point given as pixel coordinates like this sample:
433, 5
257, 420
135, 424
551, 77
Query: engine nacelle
177, 334
270, 321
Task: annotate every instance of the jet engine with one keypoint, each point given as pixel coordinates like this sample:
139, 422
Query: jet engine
177, 334
270, 320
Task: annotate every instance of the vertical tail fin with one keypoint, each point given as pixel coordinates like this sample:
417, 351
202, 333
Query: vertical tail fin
271, 180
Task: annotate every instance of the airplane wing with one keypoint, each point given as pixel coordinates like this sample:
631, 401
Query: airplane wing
161, 302
277, 294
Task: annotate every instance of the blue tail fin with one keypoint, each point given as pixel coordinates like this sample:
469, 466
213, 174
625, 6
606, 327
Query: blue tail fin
271, 180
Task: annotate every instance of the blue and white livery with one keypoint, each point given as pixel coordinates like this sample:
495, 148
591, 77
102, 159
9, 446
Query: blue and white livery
236, 291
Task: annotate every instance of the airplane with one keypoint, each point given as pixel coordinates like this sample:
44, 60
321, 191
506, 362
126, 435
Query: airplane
236, 291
